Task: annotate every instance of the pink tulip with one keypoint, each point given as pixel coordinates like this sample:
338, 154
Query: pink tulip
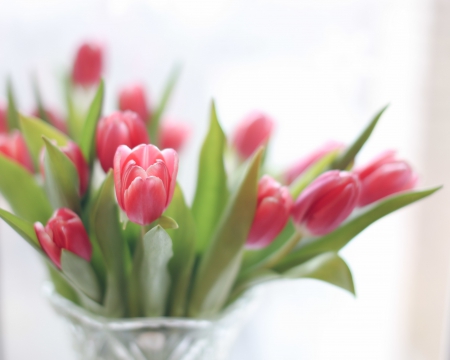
383, 176
133, 98
144, 180
326, 202
88, 65
54, 118
304, 163
173, 135
272, 213
119, 128
13, 146
64, 230
3, 119
254, 131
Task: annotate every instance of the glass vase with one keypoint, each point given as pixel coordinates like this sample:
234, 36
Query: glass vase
98, 338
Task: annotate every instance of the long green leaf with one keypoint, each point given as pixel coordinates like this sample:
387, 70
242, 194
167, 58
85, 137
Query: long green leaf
62, 286
87, 142
61, 179
75, 117
340, 237
346, 158
180, 266
38, 99
13, 114
21, 191
34, 129
212, 192
220, 264
24, 228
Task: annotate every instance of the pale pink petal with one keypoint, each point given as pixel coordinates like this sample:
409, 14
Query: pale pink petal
47, 244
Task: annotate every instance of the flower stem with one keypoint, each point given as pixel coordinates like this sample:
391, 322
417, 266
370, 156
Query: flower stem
283, 251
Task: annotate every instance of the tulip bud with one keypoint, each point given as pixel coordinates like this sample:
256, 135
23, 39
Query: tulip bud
272, 213
3, 119
88, 65
119, 128
383, 176
54, 118
14, 147
254, 131
64, 230
326, 202
304, 163
144, 179
133, 98
173, 135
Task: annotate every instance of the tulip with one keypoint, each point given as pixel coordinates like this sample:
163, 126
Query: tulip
304, 163
54, 118
64, 230
326, 202
88, 65
383, 176
173, 135
144, 179
119, 128
272, 213
133, 98
13, 146
3, 120
73, 152
254, 131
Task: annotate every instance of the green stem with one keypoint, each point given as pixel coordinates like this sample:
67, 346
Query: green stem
283, 251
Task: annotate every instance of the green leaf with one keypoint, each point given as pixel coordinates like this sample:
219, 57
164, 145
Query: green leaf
346, 158
212, 192
39, 101
13, 114
21, 191
61, 179
81, 274
166, 222
181, 265
328, 267
108, 232
75, 117
87, 142
220, 264
150, 272
24, 228
153, 123
33, 130
340, 237
62, 286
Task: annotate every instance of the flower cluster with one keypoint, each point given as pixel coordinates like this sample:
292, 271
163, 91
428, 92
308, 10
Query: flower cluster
103, 228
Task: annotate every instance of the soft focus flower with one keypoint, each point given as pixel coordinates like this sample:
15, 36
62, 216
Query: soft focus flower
144, 180
64, 230
272, 212
88, 65
133, 97
73, 152
173, 134
119, 128
383, 176
304, 163
251, 133
3, 119
326, 202
13, 146
54, 118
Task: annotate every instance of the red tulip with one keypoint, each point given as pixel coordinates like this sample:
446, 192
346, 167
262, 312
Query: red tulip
173, 135
13, 146
64, 230
133, 98
144, 180
383, 176
326, 202
119, 128
272, 213
3, 119
254, 131
88, 65
304, 163
54, 118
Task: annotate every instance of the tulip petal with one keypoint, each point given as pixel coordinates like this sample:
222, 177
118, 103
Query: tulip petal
122, 153
159, 170
171, 160
145, 155
47, 244
78, 239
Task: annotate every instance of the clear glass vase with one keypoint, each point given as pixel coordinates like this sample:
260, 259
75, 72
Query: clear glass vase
98, 338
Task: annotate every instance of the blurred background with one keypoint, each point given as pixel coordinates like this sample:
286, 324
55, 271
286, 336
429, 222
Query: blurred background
321, 68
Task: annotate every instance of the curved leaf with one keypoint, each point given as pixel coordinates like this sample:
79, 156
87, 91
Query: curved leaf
13, 114
39, 101
24, 228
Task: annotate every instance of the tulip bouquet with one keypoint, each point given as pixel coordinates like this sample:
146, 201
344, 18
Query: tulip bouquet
97, 197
